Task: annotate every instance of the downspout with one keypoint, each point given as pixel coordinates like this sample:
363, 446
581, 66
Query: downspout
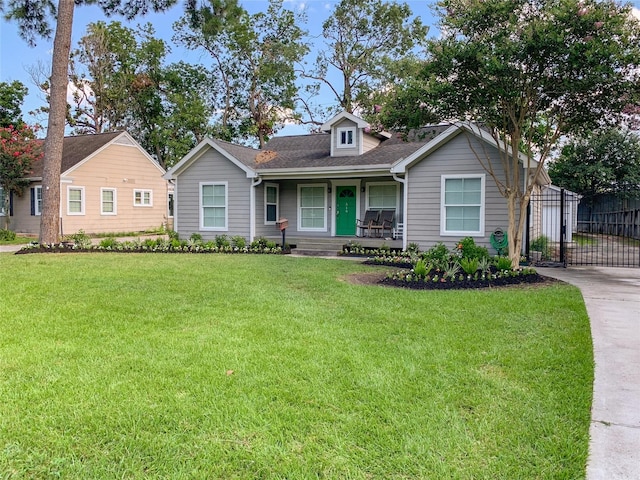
255, 181
405, 203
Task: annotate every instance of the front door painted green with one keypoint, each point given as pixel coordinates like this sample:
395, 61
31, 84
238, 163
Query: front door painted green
346, 210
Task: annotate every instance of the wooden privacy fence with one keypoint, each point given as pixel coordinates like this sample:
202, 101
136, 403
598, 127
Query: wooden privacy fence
610, 215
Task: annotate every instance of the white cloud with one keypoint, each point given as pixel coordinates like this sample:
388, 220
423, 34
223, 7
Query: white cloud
635, 12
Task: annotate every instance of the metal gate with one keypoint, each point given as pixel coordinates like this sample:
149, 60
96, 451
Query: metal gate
567, 229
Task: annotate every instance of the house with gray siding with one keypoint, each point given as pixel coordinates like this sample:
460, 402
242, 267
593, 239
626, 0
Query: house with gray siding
324, 184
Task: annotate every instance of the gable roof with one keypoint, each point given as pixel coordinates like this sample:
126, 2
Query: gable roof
239, 155
77, 149
360, 123
307, 153
453, 131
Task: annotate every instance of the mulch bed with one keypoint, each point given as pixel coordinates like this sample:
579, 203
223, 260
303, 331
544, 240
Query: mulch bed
380, 278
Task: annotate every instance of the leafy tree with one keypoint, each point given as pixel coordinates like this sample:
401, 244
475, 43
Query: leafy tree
121, 82
364, 41
102, 69
18, 150
253, 58
11, 99
187, 110
606, 162
33, 18
527, 73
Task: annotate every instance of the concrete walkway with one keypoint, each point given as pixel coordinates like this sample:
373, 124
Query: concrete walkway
612, 298
10, 248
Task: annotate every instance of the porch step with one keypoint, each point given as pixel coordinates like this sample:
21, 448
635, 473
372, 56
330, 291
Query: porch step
318, 247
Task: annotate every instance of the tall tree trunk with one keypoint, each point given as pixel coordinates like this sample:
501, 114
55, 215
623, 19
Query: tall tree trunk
517, 220
50, 218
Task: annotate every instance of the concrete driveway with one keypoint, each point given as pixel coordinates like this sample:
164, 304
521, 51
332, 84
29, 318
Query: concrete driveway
612, 298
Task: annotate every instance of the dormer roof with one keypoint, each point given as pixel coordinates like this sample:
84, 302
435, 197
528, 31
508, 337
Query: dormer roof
360, 123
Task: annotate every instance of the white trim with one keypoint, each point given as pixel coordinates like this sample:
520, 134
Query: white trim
349, 171
198, 151
345, 131
443, 217
142, 203
401, 166
405, 203
2, 212
299, 208
277, 203
82, 200
357, 184
37, 209
369, 184
115, 201
175, 207
252, 207
328, 125
225, 228
171, 195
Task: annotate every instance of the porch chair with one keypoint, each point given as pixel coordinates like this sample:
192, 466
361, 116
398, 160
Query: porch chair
387, 219
370, 218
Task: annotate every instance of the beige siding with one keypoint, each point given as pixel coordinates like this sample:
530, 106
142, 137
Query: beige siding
125, 169
22, 220
369, 142
424, 178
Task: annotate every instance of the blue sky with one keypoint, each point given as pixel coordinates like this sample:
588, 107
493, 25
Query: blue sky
17, 58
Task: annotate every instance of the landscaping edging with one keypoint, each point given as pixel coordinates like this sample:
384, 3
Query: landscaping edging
529, 279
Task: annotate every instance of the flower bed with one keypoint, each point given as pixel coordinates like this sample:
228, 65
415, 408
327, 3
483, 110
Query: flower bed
438, 281
392, 261
156, 246
466, 265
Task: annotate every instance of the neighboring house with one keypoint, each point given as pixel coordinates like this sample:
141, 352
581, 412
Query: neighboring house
108, 183
323, 183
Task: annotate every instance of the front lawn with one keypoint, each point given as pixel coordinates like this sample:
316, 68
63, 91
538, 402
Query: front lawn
17, 240
242, 366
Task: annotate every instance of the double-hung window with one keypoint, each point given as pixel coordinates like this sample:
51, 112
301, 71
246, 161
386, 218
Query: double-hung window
108, 201
271, 207
462, 205
382, 196
75, 200
312, 211
213, 206
142, 198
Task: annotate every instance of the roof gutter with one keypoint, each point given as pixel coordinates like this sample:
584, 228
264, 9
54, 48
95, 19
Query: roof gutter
315, 172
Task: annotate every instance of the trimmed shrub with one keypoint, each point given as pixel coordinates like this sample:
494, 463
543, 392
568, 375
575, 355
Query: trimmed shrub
7, 235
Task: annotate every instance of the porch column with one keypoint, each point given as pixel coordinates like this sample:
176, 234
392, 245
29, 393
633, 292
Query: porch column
405, 203
255, 181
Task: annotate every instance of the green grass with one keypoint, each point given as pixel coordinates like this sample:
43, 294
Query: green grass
234, 367
19, 240
584, 240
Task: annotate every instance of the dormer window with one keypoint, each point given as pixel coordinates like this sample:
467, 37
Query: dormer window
346, 137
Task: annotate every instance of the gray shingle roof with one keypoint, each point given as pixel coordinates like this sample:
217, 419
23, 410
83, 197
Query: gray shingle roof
77, 148
314, 151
